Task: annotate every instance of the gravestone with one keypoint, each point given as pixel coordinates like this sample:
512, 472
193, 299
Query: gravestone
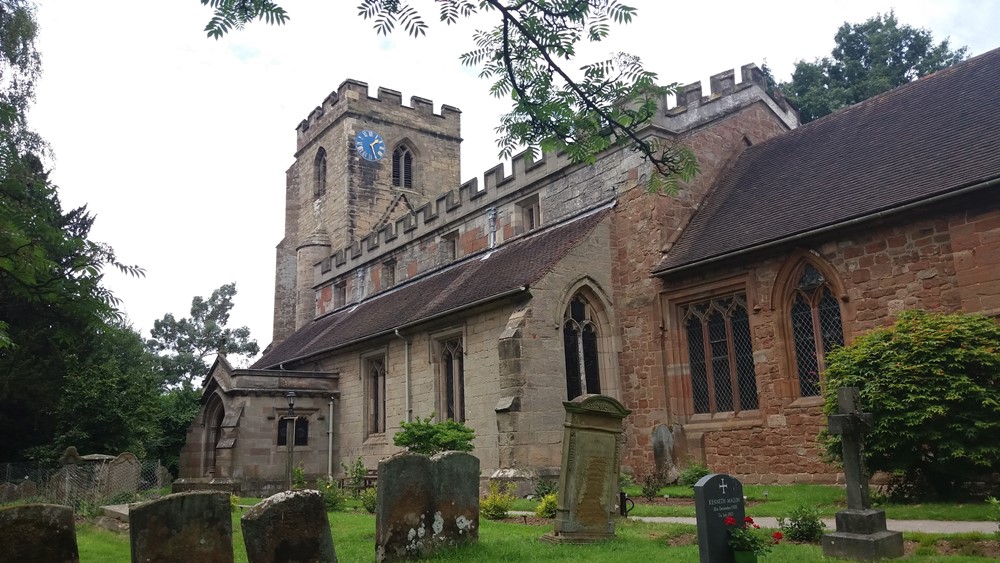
27, 489
861, 532
7, 492
121, 475
717, 496
37, 532
289, 526
664, 445
591, 463
424, 503
195, 527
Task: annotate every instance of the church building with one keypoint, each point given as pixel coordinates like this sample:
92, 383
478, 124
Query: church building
401, 292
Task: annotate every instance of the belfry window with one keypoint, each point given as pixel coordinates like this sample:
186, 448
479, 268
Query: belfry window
402, 167
720, 355
319, 173
816, 327
580, 335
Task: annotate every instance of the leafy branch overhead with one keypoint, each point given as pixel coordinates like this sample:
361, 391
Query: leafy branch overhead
605, 104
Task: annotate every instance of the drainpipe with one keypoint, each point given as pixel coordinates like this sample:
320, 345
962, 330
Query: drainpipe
406, 375
329, 442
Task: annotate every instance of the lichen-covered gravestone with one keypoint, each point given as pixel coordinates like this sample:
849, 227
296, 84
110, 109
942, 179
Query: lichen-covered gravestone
193, 527
424, 503
289, 526
591, 463
716, 497
37, 532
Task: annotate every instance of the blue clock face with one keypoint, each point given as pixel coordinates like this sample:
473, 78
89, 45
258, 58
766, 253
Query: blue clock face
369, 145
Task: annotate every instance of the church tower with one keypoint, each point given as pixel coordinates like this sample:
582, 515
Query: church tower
359, 162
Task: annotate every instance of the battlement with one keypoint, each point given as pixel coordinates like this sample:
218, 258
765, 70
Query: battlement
351, 97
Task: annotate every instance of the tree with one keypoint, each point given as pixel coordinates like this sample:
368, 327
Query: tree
183, 346
605, 105
869, 58
932, 382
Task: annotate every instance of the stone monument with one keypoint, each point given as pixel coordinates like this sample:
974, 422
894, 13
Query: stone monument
194, 526
591, 463
37, 532
717, 496
288, 526
861, 531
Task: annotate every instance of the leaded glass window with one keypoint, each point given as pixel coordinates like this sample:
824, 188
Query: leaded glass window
453, 379
816, 328
720, 355
375, 384
580, 334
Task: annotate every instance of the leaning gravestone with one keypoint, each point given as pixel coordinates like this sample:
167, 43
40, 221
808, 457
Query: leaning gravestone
861, 531
37, 532
717, 496
194, 527
289, 526
424, 503
591, 464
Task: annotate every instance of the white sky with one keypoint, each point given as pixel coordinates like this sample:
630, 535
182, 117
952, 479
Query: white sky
180, 143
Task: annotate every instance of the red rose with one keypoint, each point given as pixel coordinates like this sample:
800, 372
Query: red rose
747, 520
729, 521
777, 537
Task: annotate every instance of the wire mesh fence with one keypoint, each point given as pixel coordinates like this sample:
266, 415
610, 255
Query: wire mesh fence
84, 486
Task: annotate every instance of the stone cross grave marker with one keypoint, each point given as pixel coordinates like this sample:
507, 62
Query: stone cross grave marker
195, 526
861, 532
717, 496
37, 532
288, 526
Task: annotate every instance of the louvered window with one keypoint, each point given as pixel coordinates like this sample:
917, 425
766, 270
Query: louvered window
720, 355
402, 167
816, 327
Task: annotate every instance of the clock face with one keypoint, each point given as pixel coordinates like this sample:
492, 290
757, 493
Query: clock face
369, 145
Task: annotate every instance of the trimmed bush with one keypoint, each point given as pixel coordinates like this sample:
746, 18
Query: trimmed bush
497, 504
803, 525
428, 438
692, 473
547, 507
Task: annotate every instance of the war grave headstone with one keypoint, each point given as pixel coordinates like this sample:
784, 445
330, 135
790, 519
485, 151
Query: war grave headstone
424, 503
591, 463
289, 526
194, 527
717, 496
861, 531
38, 532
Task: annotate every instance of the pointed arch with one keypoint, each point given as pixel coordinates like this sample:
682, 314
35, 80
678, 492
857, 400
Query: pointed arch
319, 173
808, 299
403, 162
589, 341
215, 412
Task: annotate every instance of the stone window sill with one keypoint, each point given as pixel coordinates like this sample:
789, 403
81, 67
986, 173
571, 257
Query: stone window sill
376, 439
806, 402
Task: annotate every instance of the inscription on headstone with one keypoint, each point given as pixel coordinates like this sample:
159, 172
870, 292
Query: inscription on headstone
717, 496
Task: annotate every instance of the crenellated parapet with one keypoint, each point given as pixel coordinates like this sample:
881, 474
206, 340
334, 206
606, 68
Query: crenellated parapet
351, 98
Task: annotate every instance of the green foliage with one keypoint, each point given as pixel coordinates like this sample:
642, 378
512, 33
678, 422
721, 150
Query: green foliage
234, 14
651, 481
498, 502
369, 499
298, 478
692, 473
545, 487
333, 496
547, 506
425, 437
869, 58
356, 473
803, 524
177, 409
625, 480
749, 536
234, 502
995, 505
183, 346
932, 382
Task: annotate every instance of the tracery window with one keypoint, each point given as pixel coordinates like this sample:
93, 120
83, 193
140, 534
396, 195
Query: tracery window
319, 173
720, 355
301, 431
375, 392
816, 327
452, 366
580, 335
402, 167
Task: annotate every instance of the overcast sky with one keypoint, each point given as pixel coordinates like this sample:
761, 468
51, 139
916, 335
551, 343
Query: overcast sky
179, 143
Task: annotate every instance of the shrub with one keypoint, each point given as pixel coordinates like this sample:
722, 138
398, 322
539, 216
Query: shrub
692, 473
429, 438
931, 381
234, 502
369, 499
625, 480
333, 496
497, 504
298, 478
547, 507
651, 481
355, 473
748, 536
995, 503
545, 487
803, 524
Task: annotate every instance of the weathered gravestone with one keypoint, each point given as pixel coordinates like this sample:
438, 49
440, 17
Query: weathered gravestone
289, 526
591, 463
717, 496
424, 503
121, 475
37, 532
861, 531
194, 527
665, 442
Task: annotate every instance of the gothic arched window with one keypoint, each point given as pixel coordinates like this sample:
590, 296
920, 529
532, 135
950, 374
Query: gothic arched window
319, 173
720, 355
816, 327
452, 365
402, 167
580, 337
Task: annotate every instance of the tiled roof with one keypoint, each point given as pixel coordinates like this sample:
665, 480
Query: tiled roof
476, 279
927, 138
